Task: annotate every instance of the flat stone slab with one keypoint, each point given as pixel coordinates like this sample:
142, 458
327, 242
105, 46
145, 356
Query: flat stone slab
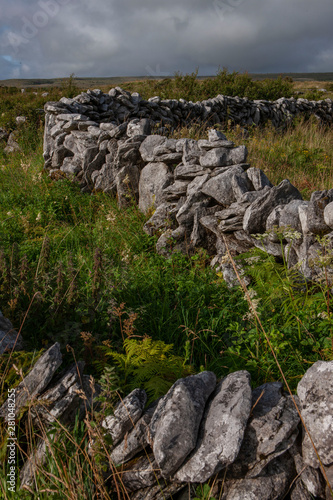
222, 429
315, 392
126, 414
37, 379
175, 425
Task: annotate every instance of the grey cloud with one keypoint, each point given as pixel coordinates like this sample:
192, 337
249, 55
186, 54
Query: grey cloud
127, 37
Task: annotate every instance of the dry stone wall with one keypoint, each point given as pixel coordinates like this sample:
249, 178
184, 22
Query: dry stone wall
203, 193
251, 441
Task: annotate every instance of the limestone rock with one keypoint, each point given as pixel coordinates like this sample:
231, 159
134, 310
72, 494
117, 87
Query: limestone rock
315, 214
163, 217
315, 392
221, 157
126, 414
241, 184
127, 181
60, 399
142, 474
188, 172
271, 431
176, 190
136, 440
272, 484
37, 379
220, 187
9, 338
138, 127
148, 145
289, 216
154, 178
258, 178
328, 215
175, 423
222, 429
257, 213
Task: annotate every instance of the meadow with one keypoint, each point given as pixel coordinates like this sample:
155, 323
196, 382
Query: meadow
90, 278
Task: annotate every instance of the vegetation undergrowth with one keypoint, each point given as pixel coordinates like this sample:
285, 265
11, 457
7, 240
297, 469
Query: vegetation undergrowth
93, 280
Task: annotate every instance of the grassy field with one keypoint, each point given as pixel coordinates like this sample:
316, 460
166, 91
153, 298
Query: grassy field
90, 278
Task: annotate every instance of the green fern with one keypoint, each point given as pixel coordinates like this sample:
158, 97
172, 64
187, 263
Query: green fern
149, 364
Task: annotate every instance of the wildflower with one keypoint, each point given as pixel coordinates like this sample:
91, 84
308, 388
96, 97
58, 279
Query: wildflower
111, 217
323, 315
252, 260
39, 216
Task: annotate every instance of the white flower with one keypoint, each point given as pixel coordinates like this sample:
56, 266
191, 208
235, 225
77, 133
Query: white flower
39, 216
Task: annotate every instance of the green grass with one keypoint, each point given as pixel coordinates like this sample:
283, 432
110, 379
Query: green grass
92, 279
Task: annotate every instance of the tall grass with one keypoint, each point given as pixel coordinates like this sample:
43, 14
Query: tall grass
90, 277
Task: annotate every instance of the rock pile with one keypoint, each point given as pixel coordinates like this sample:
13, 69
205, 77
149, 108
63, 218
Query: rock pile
251, 441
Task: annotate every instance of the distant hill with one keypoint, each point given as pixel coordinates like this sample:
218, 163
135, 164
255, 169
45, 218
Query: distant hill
91, 82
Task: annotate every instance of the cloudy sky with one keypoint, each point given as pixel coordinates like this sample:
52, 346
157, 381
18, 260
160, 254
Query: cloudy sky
54, 38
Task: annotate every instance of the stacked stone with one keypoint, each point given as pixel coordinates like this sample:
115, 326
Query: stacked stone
93, 117
250, 441
203, 193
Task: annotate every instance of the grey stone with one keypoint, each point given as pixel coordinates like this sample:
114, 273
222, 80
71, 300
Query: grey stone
60, 399
220, 187
191, 153
106, 179
12, 144
119, 131
273, 484
328, 215
271, 431
148, 145
125, 416
315, 392
273, 223
154, 178
312, 479
207, 145
127, 181
142, 474
71, 165
37, 379
188, 172
193, 204
10, 340
136, 440
315, 214
265, 397
175, 423
3, 134
289, 216
161, 491
221, 157
138, 127
175, 190
235, 209
231, 224
222, 429
258, 178
241, 184
299, 491
257, 213
216, 135
163, 218
33, 462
